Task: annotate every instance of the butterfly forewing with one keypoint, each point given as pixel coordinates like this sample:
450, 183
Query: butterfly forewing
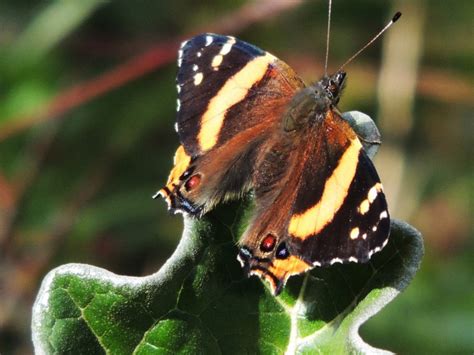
220, 81
229, 94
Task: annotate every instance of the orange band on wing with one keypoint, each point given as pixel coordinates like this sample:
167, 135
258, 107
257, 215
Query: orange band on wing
280, 270
181, 164
234, 90
314, 219
293, 265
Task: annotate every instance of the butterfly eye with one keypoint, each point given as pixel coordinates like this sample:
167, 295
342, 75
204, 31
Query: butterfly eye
192, 182
186, 173
268, 243
282, 252
332, 88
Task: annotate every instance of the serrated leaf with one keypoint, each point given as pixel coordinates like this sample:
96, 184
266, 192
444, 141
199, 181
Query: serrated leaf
200, 301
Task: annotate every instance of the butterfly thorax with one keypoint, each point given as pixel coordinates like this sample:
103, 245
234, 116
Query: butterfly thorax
310, 104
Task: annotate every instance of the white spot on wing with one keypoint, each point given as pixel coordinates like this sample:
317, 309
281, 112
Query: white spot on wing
335, 260
364, 236
227, 46
364, 207
383, 215
176, 126
178, 88
216, 61
374, 229
354, 233
180, 57
353, 259
372, 194
256, 273
178, 104
198, 78
240, 261
199, 54
180, 53
209, 40
195, 67
316, 263
377, 249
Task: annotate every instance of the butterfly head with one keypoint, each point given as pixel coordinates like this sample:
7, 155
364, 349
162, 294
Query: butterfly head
332, 86
271, 261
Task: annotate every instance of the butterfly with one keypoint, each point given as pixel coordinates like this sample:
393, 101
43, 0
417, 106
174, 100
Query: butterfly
248, 123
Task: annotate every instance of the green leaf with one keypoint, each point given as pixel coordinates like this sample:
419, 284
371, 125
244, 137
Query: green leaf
200, 301
366, 130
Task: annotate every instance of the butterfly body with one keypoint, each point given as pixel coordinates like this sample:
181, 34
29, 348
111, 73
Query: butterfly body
247, 122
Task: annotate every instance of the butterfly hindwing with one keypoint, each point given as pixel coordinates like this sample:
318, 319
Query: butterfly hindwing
357, 230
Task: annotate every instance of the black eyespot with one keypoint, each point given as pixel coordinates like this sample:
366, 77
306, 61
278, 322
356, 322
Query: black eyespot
186, 173
282, 252
245, 254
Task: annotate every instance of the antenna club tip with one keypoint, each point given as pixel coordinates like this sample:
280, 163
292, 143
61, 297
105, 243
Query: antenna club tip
396, 16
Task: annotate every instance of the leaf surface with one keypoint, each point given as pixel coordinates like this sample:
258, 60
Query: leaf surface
200, 301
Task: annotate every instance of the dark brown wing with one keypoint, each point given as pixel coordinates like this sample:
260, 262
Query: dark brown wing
230, 96
345, 219
325, 205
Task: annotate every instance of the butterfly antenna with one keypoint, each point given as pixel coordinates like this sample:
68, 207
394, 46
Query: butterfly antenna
327, 39
392, 21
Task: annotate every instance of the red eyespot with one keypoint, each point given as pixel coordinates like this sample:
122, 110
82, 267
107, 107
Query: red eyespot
192, 182
268, 243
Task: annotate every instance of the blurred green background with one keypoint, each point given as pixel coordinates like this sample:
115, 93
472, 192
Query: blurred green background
87, 105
